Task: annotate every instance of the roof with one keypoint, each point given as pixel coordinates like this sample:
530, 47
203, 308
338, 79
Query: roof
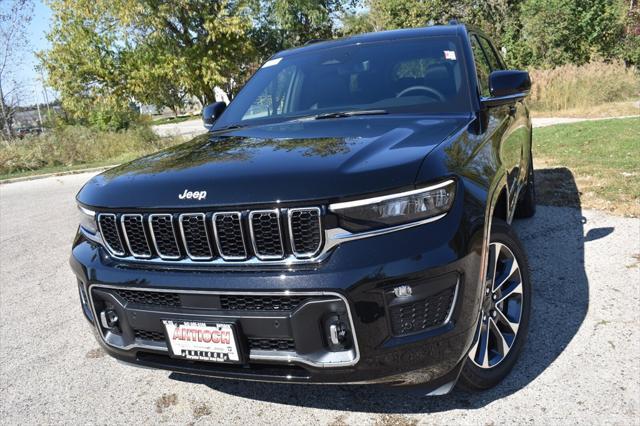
435, 30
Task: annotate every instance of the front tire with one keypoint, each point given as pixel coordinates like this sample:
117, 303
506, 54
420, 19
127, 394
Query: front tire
504, 317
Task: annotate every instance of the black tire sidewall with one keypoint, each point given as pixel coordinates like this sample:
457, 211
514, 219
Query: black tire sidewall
477, 378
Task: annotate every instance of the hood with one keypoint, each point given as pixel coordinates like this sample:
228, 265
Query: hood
289, 162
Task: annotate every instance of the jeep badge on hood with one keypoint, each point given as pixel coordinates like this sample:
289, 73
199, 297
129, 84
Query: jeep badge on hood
196, 195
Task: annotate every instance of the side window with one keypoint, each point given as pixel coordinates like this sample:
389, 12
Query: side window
492, 56
482, 67
271, 100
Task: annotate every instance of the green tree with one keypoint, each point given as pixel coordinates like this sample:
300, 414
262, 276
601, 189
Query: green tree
151, 82
108, 53
629, 48
496, 17
283, 24
534, 32
393, 14
357, 23
571, 31
200, 43
84, 62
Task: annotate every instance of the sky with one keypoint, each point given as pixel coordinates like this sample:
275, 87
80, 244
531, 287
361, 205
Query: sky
38, 27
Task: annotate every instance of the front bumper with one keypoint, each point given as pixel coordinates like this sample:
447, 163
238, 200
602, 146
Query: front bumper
355, 283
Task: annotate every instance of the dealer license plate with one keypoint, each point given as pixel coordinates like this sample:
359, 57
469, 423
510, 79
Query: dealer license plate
202, 342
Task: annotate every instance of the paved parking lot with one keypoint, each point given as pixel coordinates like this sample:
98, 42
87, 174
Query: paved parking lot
582, 360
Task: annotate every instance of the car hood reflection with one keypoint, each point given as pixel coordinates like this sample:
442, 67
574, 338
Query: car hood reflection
288, 162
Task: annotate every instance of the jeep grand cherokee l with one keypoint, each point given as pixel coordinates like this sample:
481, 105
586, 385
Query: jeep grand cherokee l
344, 220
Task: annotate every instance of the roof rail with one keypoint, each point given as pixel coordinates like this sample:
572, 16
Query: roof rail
454, 22
314, 40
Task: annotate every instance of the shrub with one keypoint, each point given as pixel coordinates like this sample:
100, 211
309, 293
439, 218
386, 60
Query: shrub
110, 120
75, 145
571, 86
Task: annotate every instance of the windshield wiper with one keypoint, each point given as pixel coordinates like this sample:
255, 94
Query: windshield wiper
231, 127
341, 114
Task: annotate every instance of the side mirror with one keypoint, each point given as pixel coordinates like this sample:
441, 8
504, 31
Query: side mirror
211, 112
507, 87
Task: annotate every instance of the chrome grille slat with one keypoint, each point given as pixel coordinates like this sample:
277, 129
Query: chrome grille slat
229, 236
215, 238
163, 236
108, 225
305, 231
266, 234
135, 235
195, 236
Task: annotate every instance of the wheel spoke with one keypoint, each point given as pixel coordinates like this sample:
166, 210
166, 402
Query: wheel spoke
484, 346
494, 249
503, 318
503, 294
512, 270
503, 346
516, 289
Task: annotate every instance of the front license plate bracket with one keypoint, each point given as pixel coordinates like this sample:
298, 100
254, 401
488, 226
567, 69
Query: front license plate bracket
210, 341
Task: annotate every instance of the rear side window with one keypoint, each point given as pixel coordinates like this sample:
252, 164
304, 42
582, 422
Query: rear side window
483, 69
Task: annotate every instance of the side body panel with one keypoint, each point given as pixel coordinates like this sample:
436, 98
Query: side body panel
491, 155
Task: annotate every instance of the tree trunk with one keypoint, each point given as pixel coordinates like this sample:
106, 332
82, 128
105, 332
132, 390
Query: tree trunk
6, 120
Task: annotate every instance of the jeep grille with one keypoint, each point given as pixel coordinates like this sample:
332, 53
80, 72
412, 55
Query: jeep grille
236, 236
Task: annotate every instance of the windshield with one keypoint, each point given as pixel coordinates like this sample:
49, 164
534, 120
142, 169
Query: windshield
420, 75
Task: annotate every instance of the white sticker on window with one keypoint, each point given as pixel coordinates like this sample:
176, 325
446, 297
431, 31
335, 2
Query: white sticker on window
450, 55
272, 62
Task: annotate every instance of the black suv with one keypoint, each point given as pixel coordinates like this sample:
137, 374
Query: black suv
344, 220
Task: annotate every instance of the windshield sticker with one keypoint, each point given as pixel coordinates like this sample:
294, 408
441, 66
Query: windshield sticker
450, 55
272, 62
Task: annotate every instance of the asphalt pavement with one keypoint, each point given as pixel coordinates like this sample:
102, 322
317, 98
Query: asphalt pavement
581, 362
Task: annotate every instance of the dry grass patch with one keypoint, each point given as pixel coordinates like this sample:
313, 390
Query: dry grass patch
596, 89
201, 410
166, 401
395, 420
74, 146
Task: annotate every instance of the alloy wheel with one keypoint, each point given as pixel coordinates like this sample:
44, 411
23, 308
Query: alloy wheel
501, 309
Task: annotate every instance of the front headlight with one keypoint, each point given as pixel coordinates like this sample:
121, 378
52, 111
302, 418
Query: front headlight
87, 220
396, 209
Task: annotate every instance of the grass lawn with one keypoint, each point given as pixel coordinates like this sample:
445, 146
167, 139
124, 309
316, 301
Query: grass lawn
604, 158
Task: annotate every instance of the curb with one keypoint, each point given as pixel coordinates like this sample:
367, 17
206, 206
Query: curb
63, 173
538, 122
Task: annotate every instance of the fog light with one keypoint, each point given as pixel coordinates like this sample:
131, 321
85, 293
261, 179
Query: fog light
109, 319
337, 333
403, 291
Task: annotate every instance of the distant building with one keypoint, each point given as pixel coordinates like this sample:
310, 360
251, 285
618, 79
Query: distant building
29, 117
